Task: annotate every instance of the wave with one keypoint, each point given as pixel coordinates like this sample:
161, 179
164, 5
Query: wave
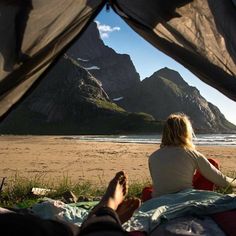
206, 139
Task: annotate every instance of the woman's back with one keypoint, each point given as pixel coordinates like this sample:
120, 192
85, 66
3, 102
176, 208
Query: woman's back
171, 169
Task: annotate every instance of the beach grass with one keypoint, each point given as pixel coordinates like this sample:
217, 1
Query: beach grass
17, 190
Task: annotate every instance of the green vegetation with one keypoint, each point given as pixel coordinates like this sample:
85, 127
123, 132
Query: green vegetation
102, 117
17, 191
107, 105
123, 123
174, 87
146, 116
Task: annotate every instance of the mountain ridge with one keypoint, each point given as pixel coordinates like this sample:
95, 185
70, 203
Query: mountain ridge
166, 92
94, 90
71, 101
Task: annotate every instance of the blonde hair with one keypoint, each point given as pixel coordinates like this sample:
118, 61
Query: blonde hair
178, 131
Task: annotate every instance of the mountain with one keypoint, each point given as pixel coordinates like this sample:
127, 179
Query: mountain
166, 92
71, 101
115, 71
94, 90
158, 97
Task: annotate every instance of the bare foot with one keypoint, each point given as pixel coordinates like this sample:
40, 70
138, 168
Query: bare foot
126, 209
115, 193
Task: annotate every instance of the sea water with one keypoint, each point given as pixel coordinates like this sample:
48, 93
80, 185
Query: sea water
200, 139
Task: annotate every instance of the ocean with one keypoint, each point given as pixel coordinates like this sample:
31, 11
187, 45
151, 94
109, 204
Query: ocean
201, 139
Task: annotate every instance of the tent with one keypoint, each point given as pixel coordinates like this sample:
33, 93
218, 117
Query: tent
199, 34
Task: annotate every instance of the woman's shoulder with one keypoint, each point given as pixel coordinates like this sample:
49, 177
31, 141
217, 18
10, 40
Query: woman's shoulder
194, 153
176, 149
167, 150
156, 154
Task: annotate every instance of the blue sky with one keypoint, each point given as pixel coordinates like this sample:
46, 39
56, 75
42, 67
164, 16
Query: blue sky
147, 59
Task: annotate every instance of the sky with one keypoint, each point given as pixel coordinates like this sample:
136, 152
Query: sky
147, 59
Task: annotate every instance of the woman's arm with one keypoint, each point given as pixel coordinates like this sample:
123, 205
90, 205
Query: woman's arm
213, 174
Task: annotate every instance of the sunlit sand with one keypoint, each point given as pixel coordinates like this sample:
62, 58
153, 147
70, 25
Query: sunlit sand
52, 157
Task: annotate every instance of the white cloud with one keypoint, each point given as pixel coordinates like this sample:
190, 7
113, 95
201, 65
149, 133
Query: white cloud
105, 30
104, 35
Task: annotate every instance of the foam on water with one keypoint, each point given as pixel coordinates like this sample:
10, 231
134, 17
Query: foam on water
202, 139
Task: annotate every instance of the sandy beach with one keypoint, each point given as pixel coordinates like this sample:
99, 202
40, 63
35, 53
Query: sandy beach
53, 157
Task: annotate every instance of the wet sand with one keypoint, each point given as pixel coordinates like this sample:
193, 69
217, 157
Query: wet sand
52, 157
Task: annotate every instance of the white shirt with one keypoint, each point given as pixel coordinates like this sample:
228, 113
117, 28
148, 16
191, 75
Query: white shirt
172, 169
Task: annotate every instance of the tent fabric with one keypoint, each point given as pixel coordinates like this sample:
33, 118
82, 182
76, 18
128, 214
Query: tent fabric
199, 34
32, 35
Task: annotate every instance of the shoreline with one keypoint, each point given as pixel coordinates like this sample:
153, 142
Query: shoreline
52, 157
126, 139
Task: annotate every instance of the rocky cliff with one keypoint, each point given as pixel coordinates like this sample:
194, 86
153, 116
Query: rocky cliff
166, 92
115, 71
71, 101
76, 96
161, 94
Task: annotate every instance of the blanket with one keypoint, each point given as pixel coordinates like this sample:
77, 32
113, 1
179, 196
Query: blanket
151, 214
188, 202
74, 213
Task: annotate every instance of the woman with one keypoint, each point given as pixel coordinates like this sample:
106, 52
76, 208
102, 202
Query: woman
173, 165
